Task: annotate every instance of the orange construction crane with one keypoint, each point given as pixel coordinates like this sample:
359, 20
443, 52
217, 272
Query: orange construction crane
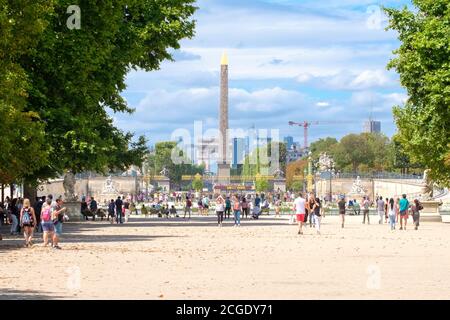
307, 124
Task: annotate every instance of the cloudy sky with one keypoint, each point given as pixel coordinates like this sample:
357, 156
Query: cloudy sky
289, 60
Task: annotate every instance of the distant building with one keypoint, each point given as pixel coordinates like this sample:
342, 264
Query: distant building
289, 141
293, 155
372, 126
239, 151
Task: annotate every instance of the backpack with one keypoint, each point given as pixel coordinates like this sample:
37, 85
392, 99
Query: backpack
46, 214
26, 218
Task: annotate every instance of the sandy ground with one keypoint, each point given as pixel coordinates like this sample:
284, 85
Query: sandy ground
265, 259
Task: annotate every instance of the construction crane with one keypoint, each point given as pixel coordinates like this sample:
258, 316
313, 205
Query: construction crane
307, 124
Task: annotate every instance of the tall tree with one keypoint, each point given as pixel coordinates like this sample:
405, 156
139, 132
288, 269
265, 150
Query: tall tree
423, 62
77, 77
22, 136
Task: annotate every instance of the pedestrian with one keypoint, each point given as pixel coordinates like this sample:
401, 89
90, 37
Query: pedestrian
126, 210
111, 210
356, 207
277, 207
37, 211
93, 207
386, 210
119, 204
237, 206
380, 209
416, 213
299, 209
205, 203
397, 210
220, 208
46, 220
84, 208
245, 207
392, 215
27, 222
227, 208
187, 208
14, 217
310, 209
404, 207
58, 220
366, 210
317, 209
341, 205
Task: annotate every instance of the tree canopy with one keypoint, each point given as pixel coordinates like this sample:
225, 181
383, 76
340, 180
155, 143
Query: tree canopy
73, 79
423, 63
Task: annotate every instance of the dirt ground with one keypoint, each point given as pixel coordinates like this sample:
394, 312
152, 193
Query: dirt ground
264, 259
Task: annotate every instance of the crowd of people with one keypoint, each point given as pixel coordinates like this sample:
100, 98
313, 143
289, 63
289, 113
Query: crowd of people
46, 217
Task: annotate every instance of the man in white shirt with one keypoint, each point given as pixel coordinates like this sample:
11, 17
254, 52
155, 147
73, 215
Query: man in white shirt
299, 208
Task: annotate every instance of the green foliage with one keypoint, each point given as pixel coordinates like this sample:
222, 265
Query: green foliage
255, 163
197, 184
423, 62
162, 158
70, 79
21, 132
322, 146
297, 186
261, 184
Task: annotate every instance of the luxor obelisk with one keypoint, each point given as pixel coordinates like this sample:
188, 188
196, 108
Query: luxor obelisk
223, 161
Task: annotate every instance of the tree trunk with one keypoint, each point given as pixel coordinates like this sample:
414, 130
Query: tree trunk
30, 192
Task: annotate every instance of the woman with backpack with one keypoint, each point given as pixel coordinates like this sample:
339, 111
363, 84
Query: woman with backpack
27, 221
46, 220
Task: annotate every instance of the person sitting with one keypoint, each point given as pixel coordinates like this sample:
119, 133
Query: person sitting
173, 212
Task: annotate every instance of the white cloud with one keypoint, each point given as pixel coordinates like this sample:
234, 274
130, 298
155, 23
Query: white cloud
323, 104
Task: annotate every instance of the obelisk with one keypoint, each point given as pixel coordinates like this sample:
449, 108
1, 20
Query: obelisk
223, 163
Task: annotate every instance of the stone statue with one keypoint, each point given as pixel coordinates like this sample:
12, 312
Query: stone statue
357, 187
278, 173
109, 188
164, 172
69, 187
427, 185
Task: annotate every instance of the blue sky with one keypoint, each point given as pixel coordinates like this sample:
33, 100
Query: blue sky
289, 60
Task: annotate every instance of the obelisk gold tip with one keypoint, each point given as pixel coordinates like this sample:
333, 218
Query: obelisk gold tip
224, 60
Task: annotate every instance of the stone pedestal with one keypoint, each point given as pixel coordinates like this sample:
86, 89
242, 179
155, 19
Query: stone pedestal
164, 184
444, 211
430, 211
224, 174
73, 210
279, 185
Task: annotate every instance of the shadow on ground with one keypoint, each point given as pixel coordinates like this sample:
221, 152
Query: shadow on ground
13, 294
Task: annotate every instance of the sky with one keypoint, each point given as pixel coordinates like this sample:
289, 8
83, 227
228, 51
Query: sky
289, 60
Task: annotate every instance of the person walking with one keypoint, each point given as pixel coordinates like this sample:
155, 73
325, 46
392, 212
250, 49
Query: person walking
205, 203
93, 207
341, 205
245, 207
237, 206
58, 220
27, 222
416, 213
404, 207
111, 210
126, 210
227, 208
14, 214
366, 210
299, 209
187, 208
386, 210
277, 207
310, 208
356, 207
119, 205
397, 210
37, 212
380, 209
220, 208
317, 209
48, 227
392, 215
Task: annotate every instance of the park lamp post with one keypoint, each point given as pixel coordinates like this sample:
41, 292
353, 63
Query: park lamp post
327, 164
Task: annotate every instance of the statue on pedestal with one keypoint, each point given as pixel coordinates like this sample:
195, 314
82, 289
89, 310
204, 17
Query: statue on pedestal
427, 186
357, 187
69, 187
